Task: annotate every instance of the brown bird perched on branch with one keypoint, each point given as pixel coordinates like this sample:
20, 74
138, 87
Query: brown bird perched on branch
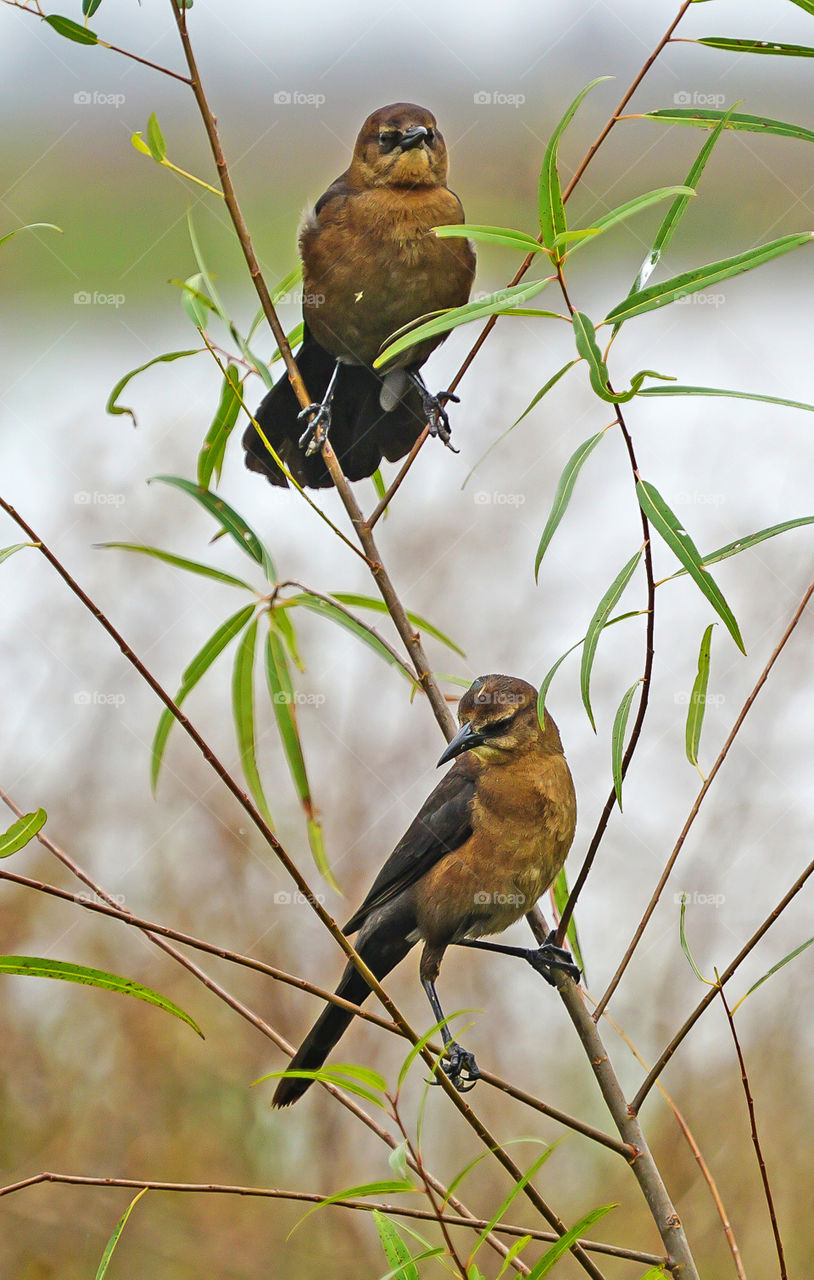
370, 265
488, 841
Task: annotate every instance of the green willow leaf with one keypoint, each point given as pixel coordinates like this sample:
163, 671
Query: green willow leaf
743, 544
114, 1239
588, 348
515, 1251
210, 459
497, 303
618, 740
113, 407
492, 235
180, 562
780, 964
560, 892
6, 552
562, 496
197, 667
808, 5
509, 1200
36, 967
228, 519
704, 119
685, 946
561, 1247
70, 30
772, 47
631, 207
353, 625
369, 602
552, 381
733, 395
395, 1250
597, 625
243, 714
667, 524
383, 1188
89, 7
283, 701
698, 700
155, 139
552, 671
551, 209
194, 301
31, 226
21, 832
660, 295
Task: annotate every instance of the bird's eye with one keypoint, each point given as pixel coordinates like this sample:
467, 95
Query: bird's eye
388, 139
496, 727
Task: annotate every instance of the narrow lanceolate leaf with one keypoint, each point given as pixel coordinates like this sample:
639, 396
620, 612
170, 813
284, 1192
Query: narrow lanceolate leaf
395, 1250
114, 407
155, 139
283, 623
596, 625
704, 119
368, 602
382, 1188
685, 946
283, 700
552, 671
677, 209
631, 207
544, 390
210, 459
36, 967
200, 663
516, 1249
498, 303
509, 1200
31, 226
667, 524
89, 7
558, 1250
565, 488
71, 30
194, 301
780, 964
772, 47
20, 832
733, 395
229, 521
492, 235
618, 740
550, 205
698, 699
659, 295
114, 1239
180, 562
353, 625
243, 713
560, 892
5, 552
808, 5
588, 348
743, 544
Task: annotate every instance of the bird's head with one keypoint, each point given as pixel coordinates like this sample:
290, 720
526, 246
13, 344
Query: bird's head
400, 146
498, 719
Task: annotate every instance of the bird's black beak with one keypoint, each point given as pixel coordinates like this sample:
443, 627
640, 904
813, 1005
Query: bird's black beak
413, 137
464, 740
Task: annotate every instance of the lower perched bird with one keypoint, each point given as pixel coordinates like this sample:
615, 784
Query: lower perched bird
370, 265
487, 842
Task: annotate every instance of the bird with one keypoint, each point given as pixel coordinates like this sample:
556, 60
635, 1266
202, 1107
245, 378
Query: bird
484, 846
371, 265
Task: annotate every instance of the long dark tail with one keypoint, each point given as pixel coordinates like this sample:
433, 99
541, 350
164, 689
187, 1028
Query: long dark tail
381, 954
361, 433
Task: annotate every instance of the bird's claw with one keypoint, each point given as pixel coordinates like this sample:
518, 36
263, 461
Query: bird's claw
316, 433
548, 957
436, 415
461, 1068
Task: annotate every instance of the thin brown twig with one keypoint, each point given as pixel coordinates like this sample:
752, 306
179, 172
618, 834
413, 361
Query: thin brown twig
651, 906
784, 1275
311, 1197
529, 258
667, 1053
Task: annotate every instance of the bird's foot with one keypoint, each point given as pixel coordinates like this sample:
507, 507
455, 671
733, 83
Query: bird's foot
549, 957
436, 415
316, 433
461, 1067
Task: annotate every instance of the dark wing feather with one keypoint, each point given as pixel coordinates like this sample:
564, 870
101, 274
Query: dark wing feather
442, 825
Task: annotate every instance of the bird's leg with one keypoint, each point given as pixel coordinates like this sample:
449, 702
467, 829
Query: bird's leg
433, 408
543, 959
460, 1066
318, 417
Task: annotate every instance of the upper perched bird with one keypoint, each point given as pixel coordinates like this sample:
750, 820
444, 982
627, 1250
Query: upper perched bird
370, 265
488, 841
